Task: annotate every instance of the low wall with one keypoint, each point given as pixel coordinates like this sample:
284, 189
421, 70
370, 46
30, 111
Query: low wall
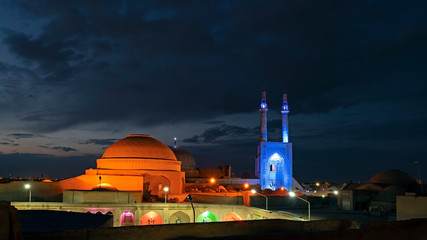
72, 196
201, 230
410, 207
253, 230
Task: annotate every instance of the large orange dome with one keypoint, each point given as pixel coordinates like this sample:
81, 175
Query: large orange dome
141, 147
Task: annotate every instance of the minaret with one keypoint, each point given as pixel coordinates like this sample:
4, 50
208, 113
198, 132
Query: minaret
285, 112
263, 109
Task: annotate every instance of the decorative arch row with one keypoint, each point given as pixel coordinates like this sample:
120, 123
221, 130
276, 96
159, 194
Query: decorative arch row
152, 218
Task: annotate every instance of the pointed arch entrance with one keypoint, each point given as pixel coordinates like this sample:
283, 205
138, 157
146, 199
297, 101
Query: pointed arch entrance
232, 217
207, 217
151, 218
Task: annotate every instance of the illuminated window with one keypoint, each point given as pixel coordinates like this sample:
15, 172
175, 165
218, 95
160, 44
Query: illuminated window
272, 168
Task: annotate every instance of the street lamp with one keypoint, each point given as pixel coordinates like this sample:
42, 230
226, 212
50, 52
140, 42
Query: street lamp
166, 189
189, 197
266, 198
28, 186
419, 178
292, 194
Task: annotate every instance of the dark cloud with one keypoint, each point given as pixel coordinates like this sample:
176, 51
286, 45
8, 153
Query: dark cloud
21, 135
212, 134
207, 47
9, 143
107, 141
59, 148
64, 149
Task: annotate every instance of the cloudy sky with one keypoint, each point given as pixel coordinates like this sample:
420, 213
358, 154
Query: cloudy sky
76, 76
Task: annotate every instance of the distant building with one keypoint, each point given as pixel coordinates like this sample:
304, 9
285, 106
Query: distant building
273, 164
379, 195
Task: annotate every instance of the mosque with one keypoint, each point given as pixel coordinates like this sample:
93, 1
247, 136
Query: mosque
136, 163
273, 164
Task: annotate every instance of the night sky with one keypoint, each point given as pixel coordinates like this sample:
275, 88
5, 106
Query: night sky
76, 76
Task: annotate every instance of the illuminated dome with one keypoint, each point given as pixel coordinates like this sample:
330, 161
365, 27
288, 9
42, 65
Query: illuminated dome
186, 159
139, 146
139, 152
392, 177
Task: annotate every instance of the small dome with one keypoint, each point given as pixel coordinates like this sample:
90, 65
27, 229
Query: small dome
139, 146
187, 160
392, 177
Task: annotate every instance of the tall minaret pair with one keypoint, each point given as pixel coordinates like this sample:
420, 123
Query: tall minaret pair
285, 111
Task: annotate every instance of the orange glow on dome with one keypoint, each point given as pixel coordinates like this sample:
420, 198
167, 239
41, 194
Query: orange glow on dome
139, 146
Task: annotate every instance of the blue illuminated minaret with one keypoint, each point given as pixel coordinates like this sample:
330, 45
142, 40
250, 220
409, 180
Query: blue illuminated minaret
285, 112
263, 109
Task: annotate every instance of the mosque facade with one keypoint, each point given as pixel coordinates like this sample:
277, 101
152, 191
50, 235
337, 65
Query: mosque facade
273, 164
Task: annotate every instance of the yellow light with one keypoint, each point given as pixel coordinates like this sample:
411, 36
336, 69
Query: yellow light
253, 191
282, 188
336, 192
317, 184
212, 180
246, 185
166, 189
292, 194
27, 186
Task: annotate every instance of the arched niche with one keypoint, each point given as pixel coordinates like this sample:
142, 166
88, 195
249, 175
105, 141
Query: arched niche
151, 218
207, 217
179, 217
127, 219
232, 217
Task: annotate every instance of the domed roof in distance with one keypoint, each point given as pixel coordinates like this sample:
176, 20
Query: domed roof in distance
392, 177
139, 146
185, 157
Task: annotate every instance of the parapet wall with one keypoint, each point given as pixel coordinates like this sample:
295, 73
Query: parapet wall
10, 226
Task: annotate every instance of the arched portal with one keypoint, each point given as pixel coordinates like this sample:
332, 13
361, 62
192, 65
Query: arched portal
232, 217
207, 217
151, 218
127, 219
179, 217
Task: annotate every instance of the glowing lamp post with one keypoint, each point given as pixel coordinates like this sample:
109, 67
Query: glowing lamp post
266, 198
292, 194
166, 189
28, 186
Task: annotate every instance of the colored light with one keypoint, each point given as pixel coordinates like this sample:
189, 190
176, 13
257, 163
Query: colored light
282, 188
317, 184
212, 180
246, 185
27, 186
